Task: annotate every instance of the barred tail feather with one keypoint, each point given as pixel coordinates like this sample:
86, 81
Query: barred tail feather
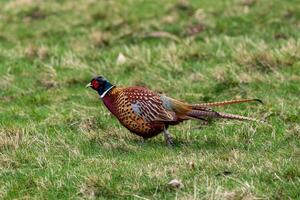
203, 113
237, 117
223, 103
213, 114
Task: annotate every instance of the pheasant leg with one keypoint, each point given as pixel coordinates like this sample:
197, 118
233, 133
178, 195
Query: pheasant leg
168, 137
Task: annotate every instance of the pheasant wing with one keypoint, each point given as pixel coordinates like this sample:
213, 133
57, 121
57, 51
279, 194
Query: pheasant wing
148, 105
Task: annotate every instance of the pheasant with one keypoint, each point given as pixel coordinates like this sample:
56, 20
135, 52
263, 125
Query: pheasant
147, 113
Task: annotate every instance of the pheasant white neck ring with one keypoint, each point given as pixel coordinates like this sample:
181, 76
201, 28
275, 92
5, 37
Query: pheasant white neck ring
106, 91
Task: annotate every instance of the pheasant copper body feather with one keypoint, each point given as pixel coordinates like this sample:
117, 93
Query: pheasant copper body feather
147, 113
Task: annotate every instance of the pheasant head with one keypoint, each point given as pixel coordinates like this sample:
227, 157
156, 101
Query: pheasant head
101, 85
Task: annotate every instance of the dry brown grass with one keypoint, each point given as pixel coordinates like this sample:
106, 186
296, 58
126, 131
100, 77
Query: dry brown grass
10, 138
268, 59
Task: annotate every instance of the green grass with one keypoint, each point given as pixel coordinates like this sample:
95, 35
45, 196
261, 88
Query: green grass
57, 140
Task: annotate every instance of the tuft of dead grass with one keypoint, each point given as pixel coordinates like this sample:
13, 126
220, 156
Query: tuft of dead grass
10, 138
32, 51
99, 39
6, 80
171, 18
48, 77
94, 187
71, 60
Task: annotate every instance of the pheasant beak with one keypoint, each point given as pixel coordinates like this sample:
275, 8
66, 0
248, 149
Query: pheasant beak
88, 85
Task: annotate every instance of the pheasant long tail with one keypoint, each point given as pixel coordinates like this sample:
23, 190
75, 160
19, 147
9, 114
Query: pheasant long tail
202, 111
223, 103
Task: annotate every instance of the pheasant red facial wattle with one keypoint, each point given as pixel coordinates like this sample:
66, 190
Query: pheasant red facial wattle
147, 113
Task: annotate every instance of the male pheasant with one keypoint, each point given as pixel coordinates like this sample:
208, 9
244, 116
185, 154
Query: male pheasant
147, 113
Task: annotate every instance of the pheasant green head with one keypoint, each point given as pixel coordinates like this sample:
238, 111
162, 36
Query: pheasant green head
101, 85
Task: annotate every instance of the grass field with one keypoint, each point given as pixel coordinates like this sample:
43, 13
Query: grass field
57, 140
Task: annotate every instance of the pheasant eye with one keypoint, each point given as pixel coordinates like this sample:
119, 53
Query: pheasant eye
95, 84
